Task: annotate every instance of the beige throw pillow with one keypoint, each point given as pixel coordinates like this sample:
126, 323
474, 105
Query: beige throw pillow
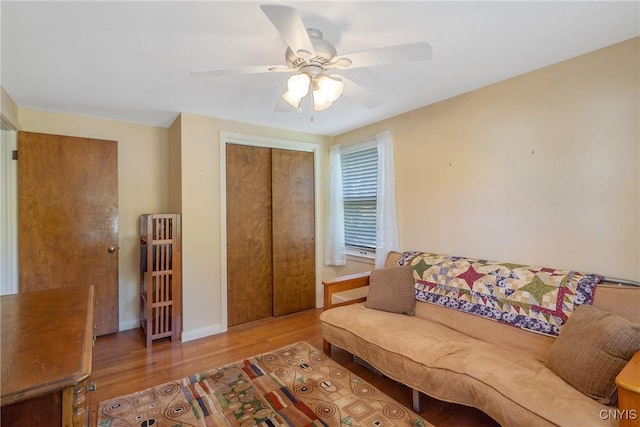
591, 350
392, 289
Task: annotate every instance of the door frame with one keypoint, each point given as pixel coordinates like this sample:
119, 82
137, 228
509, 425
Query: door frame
9, 210
265, 142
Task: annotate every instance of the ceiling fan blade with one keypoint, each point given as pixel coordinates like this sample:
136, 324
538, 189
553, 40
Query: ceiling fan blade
234, 71
412, 52
359, 94
288, 22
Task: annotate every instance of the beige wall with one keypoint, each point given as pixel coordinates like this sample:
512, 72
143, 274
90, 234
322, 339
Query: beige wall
204, 297
543, 168
143, 185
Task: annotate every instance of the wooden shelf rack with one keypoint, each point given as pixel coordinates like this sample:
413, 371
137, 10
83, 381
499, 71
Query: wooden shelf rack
160, 276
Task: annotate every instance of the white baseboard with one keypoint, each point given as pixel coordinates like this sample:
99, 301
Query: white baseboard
186, 336
129, 324
201, 333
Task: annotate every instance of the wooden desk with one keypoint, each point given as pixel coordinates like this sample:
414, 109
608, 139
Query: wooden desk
46, 349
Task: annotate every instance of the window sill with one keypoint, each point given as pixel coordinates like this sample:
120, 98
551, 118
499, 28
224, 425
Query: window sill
362, 256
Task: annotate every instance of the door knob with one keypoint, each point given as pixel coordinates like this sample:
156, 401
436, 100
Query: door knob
111, 249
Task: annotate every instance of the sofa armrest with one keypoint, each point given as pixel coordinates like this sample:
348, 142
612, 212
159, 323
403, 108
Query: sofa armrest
344, 283
628, 381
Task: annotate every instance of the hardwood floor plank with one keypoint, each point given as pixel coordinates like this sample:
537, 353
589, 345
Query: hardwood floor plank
122, 363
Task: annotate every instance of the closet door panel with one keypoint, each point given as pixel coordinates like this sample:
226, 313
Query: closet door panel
249, 243
293, 231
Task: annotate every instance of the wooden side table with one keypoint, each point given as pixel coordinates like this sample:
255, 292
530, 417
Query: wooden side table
628, 382
47, 343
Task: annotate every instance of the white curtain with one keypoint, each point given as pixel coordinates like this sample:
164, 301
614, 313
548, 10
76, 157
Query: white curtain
334, 246
386, 218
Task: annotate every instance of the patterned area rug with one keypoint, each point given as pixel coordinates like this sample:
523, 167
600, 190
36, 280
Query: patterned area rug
292, 386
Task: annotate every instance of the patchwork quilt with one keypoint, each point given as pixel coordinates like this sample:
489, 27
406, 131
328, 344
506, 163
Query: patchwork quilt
538, 299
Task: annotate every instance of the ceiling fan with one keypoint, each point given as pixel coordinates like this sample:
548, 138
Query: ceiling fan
312, 59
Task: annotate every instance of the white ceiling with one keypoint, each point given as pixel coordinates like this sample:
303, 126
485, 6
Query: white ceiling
131, 61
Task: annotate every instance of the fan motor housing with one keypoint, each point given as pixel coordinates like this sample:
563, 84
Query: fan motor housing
324, 52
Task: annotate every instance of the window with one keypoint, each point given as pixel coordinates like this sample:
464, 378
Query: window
360, 182
361, 201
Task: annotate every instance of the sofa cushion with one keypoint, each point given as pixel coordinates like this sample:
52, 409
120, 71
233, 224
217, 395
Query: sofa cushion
392, 289
512, 387
592, 349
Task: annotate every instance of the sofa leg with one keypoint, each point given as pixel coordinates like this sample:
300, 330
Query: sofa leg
326, 347
417, 407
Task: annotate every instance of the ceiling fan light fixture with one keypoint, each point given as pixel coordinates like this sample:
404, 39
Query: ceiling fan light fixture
320, 101
326, 90
331, 86
298, 84
298, 88
291, 99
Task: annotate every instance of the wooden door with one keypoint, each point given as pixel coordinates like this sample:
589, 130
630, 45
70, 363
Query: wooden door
249, 253
270, 232
68, 218
293, 231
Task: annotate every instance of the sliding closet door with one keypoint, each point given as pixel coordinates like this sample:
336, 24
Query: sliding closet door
249, 243
270, 232
293, 231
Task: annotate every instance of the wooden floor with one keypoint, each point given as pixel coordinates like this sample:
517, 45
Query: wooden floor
122, 364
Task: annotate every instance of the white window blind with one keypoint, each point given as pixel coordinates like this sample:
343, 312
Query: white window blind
360, 177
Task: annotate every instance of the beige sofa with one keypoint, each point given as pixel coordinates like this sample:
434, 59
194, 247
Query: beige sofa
466, 359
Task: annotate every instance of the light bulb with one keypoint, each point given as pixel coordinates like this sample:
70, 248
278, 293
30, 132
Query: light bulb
298, 84
298, 88
320, 100
331, 86
291, 99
